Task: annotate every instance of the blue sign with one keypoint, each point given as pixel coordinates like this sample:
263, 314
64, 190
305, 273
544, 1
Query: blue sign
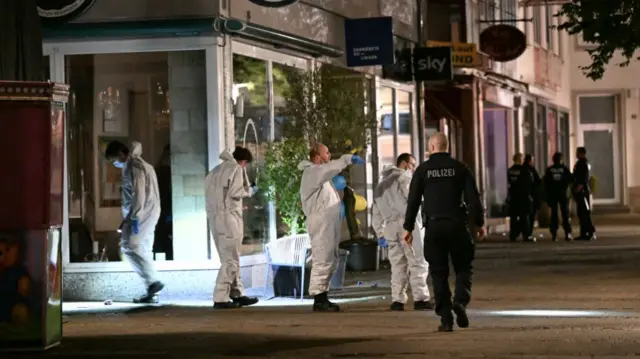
369, 41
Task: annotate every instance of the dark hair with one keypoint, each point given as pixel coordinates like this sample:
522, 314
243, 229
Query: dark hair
405, 157
517, 157
557, 158
582, 150
242, 154
528, 159
115, 149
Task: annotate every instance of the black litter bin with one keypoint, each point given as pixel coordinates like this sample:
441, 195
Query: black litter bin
363, 255
286, 280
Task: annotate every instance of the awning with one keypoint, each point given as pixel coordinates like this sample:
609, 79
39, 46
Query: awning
130, 29
276, 38
437, 109
544, 2
495, 79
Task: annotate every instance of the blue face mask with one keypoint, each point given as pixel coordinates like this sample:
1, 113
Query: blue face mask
118, 164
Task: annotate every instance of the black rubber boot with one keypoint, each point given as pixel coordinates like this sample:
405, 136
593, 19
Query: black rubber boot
245, 301
422, 305
461, 315
397, 307
155, 288
227, 305
322, 304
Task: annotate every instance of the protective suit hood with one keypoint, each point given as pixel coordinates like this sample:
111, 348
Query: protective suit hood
304, 164
227, 156
136, 149
390, 170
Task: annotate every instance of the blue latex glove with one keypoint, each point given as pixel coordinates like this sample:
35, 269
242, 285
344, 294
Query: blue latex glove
254, 189
382, 242
339, 182
357, 160
342, 211
134, 224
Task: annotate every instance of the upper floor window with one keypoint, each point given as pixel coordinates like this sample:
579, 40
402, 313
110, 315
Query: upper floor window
537, 25
549, 28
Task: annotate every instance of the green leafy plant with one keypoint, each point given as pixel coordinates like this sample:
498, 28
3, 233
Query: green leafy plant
329, 105
611, 26
280, 180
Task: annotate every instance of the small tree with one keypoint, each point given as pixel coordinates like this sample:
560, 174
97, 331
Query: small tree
280, 180
329, 105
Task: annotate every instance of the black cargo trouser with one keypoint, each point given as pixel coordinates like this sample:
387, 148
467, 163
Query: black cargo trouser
449, 237
563, 203
583, 206
519, 217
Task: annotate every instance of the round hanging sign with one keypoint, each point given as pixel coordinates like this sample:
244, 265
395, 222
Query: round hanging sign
61, 11
274, 3
503, 42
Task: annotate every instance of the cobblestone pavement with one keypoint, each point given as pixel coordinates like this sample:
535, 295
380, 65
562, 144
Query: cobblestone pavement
542, 300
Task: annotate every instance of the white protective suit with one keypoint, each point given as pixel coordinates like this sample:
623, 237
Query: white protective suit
226, 186
389, 206
141, 201
321, 204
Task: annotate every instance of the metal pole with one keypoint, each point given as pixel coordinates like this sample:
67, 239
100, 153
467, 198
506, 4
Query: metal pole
421, 9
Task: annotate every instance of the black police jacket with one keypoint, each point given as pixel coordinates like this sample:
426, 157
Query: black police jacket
582, 174
521, 184
448, 189
557, 179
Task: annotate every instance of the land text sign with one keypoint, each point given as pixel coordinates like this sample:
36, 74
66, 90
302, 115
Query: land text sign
463, 54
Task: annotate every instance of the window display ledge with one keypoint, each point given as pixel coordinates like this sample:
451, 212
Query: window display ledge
176, 265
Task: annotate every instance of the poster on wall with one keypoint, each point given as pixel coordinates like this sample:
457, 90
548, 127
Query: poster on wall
21, 289
110, 177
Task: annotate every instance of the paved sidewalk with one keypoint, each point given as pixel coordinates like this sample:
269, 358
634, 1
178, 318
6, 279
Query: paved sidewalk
542, 300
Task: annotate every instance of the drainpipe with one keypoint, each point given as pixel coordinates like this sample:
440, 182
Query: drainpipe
419, 98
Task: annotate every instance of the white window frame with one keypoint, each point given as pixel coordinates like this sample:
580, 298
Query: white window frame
215, 123
615, 129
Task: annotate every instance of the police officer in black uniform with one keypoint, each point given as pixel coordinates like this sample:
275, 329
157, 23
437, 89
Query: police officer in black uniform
520, 199
557, 179
448, 189
582, 194
536, 192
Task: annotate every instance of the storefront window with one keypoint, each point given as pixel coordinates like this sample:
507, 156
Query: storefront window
552, 132
563, 135
405, 115
540, 155
159, 100
280, 82
252, 130
496, 158
386, 152
528, 129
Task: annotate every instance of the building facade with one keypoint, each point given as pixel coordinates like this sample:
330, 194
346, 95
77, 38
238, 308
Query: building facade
502, 108
187, 81
605, 114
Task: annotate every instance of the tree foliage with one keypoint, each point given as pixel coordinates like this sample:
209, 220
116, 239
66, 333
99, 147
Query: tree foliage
280, 180
329, 105
611, 26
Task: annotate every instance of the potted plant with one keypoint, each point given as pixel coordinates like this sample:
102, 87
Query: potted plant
280, 181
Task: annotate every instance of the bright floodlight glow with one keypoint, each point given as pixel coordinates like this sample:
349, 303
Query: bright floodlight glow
553, 313
100, 307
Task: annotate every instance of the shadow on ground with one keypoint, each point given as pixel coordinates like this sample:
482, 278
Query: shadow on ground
183, 345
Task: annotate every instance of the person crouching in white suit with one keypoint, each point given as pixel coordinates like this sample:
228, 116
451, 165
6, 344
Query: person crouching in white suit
408, 264
322, 206
226, 186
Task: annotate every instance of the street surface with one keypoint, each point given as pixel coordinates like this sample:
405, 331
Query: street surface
543, 300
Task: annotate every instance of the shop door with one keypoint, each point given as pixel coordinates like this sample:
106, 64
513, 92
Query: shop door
598, 132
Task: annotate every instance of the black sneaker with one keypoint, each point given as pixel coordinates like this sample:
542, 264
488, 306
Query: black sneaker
422, 305
397, 307
227, 305
245, 301
446, 323
147, 299
155, 288
554, 237
461, 315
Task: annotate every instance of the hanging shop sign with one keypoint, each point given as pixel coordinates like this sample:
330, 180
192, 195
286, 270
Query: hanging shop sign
463, 54
61, 11
432, 64
273, 3
369, 41
503, 42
